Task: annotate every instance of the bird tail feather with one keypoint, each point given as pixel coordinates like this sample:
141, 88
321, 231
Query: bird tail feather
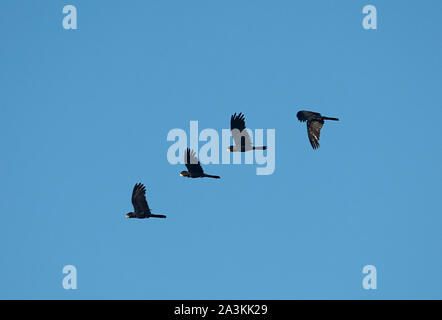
210, 176
157, 216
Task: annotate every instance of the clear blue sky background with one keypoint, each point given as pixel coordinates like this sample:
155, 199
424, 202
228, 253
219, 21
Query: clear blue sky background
85, 115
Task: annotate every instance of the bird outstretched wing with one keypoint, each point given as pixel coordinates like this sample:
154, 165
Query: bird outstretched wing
314, 132
240, 135
139, 199
191, 161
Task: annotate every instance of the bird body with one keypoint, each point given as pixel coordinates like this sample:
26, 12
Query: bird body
240, 135
141, 208
194, 169
315, 121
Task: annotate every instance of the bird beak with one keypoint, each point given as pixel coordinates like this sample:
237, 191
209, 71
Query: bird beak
127, 216
181, 174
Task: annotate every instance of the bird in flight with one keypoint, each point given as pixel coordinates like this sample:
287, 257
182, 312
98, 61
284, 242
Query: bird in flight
314, 124
141, 208
194, 169
240, 135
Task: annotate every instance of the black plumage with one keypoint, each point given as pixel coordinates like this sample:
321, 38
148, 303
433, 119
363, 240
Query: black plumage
240, 135
194, 169
141, 208
315, 121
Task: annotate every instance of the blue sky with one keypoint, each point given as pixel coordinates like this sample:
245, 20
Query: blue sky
85, 115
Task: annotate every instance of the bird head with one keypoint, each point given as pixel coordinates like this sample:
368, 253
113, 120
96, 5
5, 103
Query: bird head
184, 173
130, 215
230, 149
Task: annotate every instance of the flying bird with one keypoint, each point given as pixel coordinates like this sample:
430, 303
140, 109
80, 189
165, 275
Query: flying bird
194, 169
314, 124
141, 208
240, 135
